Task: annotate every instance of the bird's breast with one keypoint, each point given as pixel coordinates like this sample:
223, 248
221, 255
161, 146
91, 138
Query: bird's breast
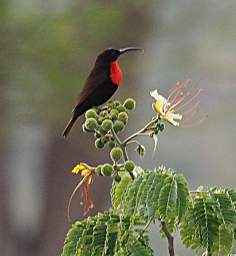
115, 73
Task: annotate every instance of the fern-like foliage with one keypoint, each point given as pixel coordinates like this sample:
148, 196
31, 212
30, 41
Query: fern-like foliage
154, 193
210, 221
106, 234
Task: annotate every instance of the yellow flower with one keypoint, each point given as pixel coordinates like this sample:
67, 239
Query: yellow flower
179, 107
84, 170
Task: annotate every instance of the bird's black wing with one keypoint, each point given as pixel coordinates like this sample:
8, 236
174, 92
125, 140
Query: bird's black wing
96, 78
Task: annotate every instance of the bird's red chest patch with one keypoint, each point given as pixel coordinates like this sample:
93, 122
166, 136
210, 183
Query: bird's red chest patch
115, 73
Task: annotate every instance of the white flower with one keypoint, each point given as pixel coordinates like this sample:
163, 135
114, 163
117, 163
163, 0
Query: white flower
179, 106
163, 107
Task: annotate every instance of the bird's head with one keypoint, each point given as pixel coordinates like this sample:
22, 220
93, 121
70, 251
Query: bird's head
110, 54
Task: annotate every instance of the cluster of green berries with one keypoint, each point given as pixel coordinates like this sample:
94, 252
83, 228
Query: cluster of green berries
116, 154
100, 121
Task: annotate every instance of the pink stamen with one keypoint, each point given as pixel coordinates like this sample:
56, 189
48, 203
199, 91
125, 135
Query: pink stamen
195, 106
178, 94
190, 116
189, 101
190, 125
180, 100
172, 90
175, 88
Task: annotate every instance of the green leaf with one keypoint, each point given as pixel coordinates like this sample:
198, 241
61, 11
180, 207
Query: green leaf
182, 196
168, 199
224, 241
210, 221
139, 248
119, 189
107, 234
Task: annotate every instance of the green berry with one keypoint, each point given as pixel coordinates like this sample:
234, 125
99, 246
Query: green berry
129, 166
111, 144
97, 135
90, 113
123, 116
116, 103
129, 104
118, 126
117, 178
91, 123
116, 154
114, 114
107, 170
107, 125
98, 170
102, 132
121, 109
99, 143
104, 113
85, 129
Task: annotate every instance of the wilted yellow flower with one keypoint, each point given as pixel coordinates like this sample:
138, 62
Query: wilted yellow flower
179, 107
84, 170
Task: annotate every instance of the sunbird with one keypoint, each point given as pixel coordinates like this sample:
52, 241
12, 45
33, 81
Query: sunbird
102, 82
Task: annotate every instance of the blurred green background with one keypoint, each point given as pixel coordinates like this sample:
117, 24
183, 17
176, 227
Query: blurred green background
46, 51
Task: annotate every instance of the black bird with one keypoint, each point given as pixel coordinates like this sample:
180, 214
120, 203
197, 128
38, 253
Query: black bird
101, 83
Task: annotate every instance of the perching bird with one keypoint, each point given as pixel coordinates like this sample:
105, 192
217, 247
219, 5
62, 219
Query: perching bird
101, 83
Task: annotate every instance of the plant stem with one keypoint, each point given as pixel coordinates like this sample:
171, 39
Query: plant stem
144, 129
169, 237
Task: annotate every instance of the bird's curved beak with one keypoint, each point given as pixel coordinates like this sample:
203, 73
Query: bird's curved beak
124, 50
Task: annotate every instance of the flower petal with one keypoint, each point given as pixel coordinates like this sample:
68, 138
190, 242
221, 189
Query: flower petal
154, 94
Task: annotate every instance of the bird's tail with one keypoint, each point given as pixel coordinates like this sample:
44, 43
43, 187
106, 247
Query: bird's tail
69, 126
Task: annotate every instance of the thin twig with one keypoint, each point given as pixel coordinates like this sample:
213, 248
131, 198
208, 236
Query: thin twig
141, 131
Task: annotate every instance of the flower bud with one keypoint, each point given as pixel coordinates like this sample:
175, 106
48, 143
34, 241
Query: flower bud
116, 154
129, 166
85, 129
129, 104
111, 144
107, 125
121, 108
104, 113
90, 113
117, 178
102, 132
118, 126
97, 135
123, 116
114, 114
98, 170
99, 143
107, 170
91, 123
116, 103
